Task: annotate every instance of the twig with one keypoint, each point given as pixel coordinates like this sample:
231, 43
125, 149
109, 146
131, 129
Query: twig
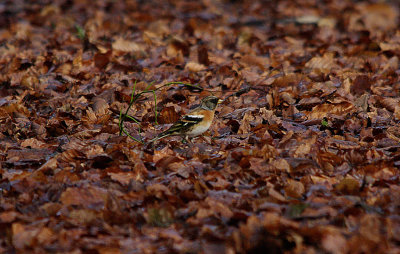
238, 93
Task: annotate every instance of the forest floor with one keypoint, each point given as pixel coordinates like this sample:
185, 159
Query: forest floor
305, 159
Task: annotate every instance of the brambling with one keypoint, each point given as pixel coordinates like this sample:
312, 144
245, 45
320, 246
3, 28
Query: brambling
194, 123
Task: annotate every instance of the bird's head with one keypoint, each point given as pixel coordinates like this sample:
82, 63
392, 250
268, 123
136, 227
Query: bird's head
210, 102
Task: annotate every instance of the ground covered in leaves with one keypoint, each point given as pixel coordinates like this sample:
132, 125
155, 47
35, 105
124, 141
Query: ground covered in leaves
305, 161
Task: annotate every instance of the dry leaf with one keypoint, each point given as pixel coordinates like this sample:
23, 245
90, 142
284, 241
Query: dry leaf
195, 67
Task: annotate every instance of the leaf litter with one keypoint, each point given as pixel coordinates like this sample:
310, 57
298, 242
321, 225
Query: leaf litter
303, 156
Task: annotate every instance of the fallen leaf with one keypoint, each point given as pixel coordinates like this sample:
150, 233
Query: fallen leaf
90, 196
348, 186
195, 67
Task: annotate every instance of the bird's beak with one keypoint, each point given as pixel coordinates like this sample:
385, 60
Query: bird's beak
220, 101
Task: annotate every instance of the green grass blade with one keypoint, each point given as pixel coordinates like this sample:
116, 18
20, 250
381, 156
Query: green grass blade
155, 107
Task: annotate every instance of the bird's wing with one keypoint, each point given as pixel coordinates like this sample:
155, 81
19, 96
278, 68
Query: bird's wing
192, 118
183, 124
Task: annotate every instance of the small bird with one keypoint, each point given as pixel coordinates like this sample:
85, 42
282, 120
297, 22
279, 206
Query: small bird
194, 123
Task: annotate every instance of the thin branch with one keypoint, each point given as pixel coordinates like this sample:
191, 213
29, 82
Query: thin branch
238, 93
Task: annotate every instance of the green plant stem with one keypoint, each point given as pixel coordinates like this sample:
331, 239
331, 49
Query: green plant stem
135, 97
155, 107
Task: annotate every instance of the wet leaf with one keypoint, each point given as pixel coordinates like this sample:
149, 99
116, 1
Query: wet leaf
302, 156
348, 186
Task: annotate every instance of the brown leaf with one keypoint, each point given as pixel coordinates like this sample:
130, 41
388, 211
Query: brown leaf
260, 62
195, 67
294, 189
245, 126
202, 55
83, 216
88, 196
123, 178
348, 186
281, 164
361, 85
325, 63
45, 236
126, 45
276, 195
323, 110
33, 143
27, 155
311, 101
219, 208
108, 250
376, 18
23, 236
14, 109
370, 227
168, 115
102, 60
158, 190
389, 103
8, 217
303, 156
334, 241
100, 106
